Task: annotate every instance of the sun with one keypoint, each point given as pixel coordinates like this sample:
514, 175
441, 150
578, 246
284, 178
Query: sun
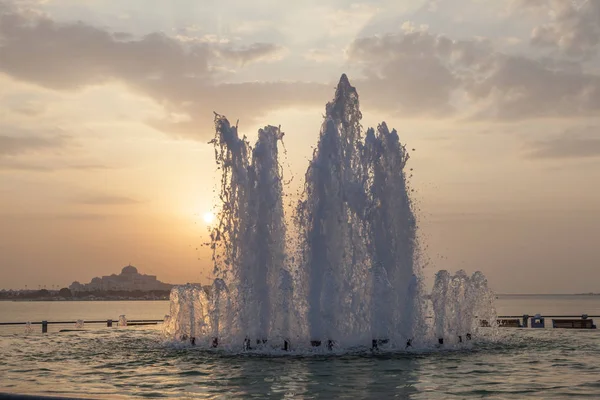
208, 217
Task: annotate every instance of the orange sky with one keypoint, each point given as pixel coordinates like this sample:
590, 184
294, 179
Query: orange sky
106, 109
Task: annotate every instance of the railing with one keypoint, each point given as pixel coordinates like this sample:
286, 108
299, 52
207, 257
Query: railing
102, 321
549, 316
137, 322
108, 322
581, 321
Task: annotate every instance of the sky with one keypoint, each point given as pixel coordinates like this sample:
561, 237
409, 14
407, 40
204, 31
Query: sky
106, 111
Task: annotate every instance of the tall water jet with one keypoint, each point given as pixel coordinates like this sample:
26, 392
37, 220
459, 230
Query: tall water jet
331, 223
392, 237
268, 230
230, 250
249, 241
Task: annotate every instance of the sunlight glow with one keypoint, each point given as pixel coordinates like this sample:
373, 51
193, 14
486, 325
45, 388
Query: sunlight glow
209, 217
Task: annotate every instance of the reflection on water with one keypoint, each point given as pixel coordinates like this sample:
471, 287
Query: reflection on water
134, 362
548, 304
23, 311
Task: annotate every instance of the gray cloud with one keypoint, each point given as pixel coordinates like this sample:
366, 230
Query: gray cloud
70, 56
253, 53
519, 88
180, 76
411, 73
78, 216
322, 55
10, 164
573, 29
248, 102
15, 145
108, 201
42, 216
30, 109
88, 167
417, 72
575, 143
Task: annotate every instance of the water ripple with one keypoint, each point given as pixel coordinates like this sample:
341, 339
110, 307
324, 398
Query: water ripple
137, 364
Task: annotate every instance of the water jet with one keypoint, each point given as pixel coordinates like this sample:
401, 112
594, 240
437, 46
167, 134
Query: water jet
350, 268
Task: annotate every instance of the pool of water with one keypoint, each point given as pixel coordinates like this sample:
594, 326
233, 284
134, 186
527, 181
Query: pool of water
136, 362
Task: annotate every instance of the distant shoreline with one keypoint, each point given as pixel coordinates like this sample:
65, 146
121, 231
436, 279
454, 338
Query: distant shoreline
67, 295
546, 294
85, 299
74, 300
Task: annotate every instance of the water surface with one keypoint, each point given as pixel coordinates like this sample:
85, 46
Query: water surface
135, 362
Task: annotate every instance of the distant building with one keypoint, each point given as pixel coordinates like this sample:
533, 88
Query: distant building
129, 279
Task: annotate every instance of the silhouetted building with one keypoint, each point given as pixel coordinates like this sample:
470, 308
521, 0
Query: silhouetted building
129, 279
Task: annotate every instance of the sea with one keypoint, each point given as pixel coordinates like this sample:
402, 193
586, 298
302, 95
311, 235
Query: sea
135, 361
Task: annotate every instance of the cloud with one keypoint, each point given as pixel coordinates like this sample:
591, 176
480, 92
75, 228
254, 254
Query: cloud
57, 216
10, 164
574, 143
88, 167
253, 26
20, 143
70, 56
248, 101
350, 19
29, 109
413, 73
108, 201
79, 216
319, 55
416, 72
182, 77
519, 88
253, 53
21, 148
573, 29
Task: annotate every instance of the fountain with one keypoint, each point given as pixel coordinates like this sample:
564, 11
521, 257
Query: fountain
353, 276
